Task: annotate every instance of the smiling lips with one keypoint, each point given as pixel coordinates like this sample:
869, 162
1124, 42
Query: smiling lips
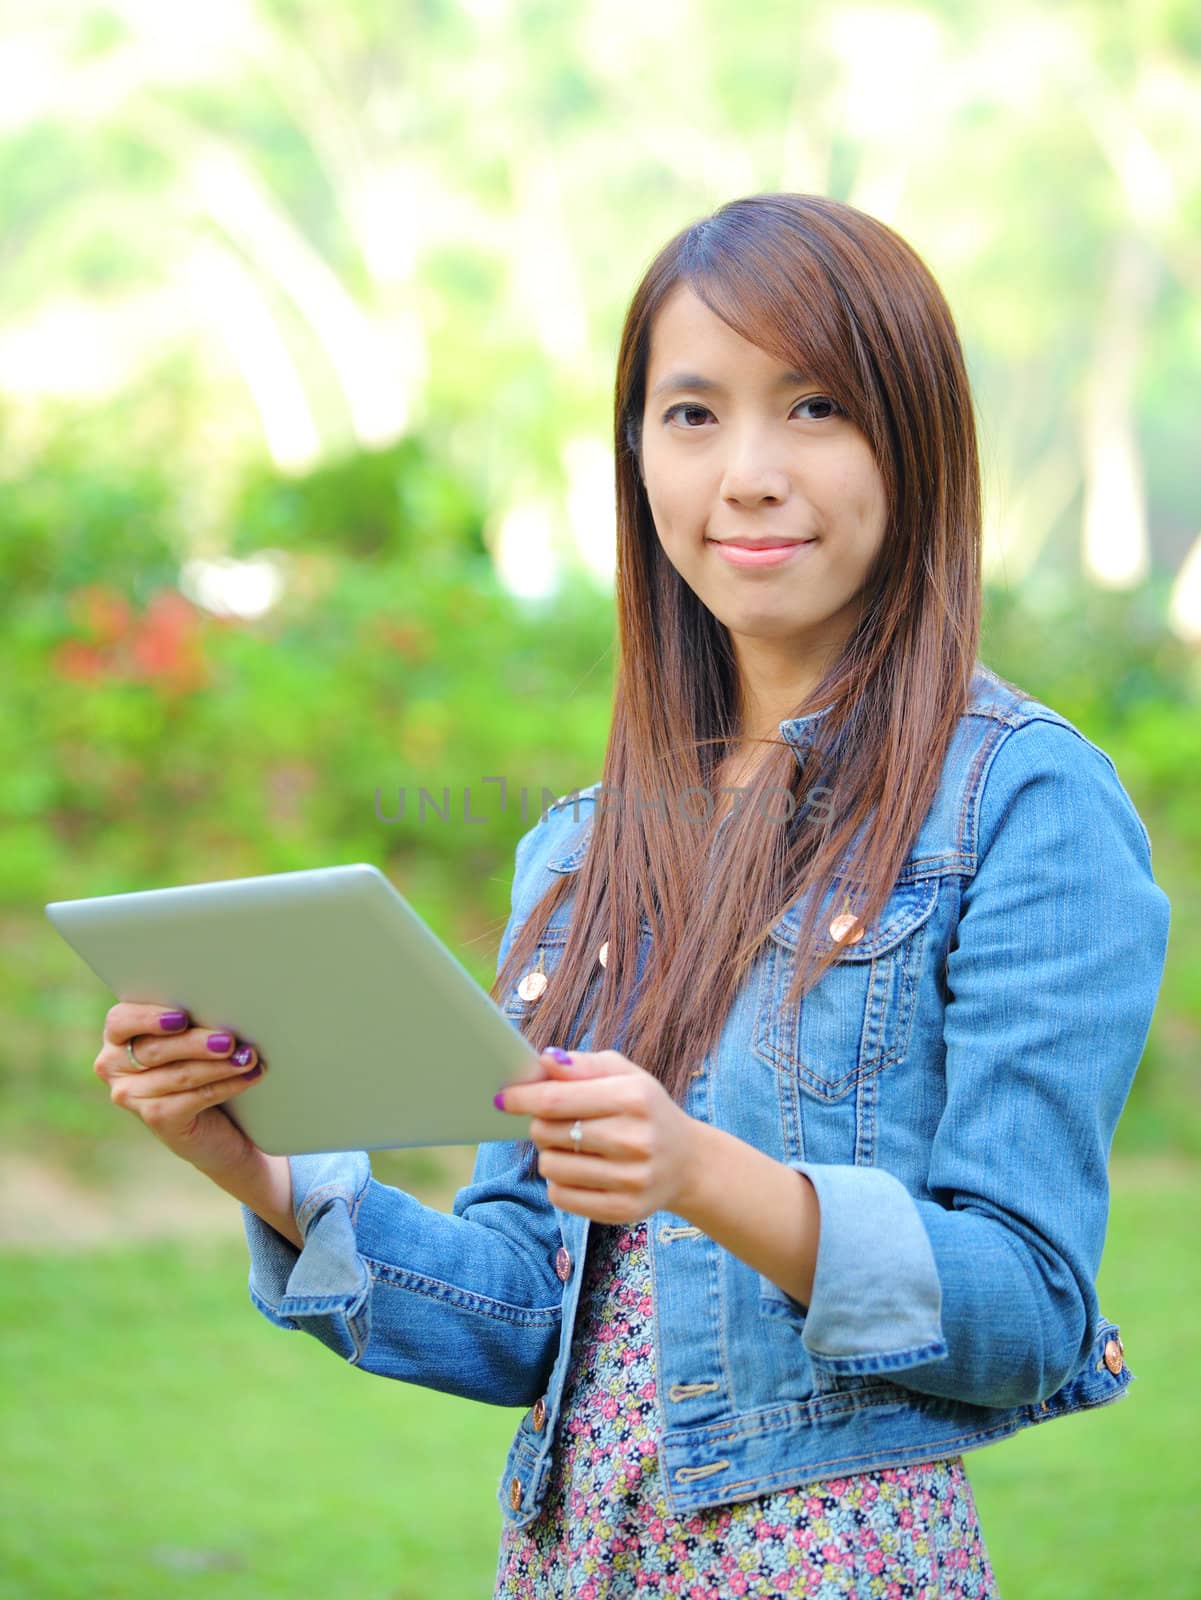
762, 554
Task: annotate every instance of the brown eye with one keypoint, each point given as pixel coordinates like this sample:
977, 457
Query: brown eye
684, 406
822, 400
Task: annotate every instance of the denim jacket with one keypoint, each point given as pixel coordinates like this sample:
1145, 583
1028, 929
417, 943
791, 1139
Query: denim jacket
951, 1088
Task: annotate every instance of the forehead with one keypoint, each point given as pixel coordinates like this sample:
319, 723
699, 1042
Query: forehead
688, 338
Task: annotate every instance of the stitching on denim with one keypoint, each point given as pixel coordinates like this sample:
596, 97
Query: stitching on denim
786, 1418
707, 1439
321, 1305
390, 1277
357, 1202
766, 1479
358, 1339
265, 1305
942, 864
905, 919
774, 1024
897, 1359
728, 1368
335, 1306
316, 1197
867, 1095
656, 1334
972, 795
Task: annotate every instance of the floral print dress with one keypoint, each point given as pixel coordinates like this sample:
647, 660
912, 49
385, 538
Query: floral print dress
605, 1530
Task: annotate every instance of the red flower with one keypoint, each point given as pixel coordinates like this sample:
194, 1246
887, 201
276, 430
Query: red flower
82, 663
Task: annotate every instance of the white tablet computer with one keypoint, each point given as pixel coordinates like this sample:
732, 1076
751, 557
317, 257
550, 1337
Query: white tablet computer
375, 1035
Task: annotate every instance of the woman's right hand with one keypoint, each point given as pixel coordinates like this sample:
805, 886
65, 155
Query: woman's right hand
179, 1085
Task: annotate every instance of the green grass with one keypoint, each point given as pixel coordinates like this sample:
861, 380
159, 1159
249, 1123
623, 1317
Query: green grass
160, 1439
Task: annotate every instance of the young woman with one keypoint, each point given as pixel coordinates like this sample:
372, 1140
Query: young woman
842, 972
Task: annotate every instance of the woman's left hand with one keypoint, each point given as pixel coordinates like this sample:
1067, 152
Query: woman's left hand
639, 1149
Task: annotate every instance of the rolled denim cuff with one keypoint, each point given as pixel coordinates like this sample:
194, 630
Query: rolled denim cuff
877, 1301
325, 1288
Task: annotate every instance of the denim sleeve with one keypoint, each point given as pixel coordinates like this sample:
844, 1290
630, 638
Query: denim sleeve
466, 1302
986, 1292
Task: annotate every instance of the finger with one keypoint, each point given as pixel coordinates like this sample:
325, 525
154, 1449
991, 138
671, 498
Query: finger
616, 1138
556, 1097
178, 1081
130, 1017
201, 1044
577, 1172
150, 1053
555, 1134
606, 1206
587, 1064
174, 1110
587, 1172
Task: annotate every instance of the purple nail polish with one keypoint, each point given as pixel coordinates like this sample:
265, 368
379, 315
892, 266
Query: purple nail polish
498, 1100
560, 1056
173, 1021
254, 1072
242, 1055
220, 1042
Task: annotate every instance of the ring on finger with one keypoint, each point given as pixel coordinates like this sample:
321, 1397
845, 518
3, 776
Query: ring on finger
576, 1135
137, 1065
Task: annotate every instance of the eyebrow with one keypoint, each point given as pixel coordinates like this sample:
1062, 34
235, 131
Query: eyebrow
703, 385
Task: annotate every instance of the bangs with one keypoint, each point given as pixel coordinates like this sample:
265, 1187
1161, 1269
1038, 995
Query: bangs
801, 316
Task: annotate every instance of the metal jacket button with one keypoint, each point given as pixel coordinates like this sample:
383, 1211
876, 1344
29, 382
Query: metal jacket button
846, 929
1113, 1357
538, 1415
532, 985
515, 1494
563, 1263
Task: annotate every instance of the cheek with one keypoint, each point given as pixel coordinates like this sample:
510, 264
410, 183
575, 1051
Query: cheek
678, 504
875, 505
675, 524
855, 504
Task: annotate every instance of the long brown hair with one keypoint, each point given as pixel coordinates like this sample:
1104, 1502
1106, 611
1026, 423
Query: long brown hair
835, 293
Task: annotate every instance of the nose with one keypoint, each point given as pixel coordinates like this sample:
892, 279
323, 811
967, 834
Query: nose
753, 474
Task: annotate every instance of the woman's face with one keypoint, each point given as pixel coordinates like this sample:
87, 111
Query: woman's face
757, 452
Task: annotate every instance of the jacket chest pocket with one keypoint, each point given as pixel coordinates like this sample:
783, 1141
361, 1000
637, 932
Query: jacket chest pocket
526, 995
856, 1020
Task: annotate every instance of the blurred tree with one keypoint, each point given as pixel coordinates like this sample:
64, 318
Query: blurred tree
346, 283
397, 219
